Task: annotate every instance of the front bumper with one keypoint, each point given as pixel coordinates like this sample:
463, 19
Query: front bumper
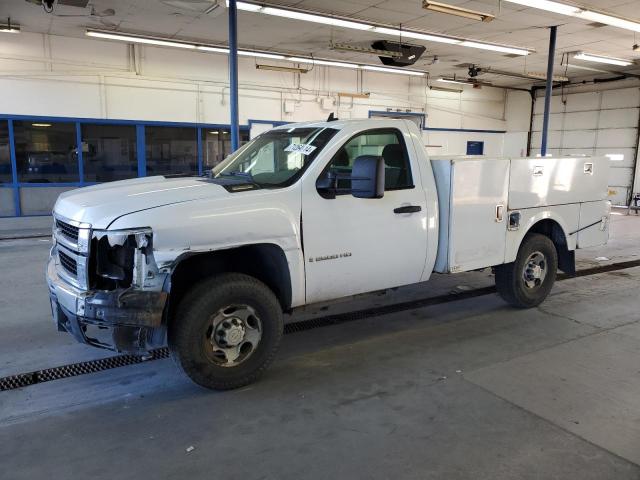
123, 320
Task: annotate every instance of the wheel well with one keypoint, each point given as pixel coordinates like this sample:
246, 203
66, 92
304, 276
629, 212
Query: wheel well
553, 230
266, 262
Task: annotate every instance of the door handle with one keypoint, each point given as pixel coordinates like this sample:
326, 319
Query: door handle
408, 209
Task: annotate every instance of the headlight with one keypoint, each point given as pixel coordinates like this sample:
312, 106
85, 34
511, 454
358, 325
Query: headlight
120, 257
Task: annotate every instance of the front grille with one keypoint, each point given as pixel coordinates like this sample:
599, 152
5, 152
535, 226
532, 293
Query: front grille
68, 230
68, 263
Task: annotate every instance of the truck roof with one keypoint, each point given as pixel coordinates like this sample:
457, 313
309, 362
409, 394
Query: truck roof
338, 124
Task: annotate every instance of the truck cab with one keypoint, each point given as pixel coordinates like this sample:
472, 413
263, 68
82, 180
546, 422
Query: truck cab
305, 213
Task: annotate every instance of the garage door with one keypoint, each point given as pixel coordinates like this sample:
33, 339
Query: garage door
595, 123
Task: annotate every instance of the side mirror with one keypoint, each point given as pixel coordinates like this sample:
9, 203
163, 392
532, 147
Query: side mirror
326, 186
367, 177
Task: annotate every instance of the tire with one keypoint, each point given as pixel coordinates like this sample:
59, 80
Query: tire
215, 321
517, 283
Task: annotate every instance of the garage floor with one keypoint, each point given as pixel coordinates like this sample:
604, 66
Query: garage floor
466, 389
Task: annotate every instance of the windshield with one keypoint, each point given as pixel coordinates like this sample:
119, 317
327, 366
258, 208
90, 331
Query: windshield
276, 158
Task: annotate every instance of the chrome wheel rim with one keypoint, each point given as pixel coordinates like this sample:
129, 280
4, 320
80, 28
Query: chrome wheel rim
535, 270
232, 335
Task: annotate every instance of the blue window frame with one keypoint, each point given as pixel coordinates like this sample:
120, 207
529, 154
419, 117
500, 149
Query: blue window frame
75, 152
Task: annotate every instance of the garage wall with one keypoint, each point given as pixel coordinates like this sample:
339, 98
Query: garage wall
77, 77
597, 120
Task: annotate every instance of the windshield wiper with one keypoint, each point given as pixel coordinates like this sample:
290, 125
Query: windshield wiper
235, 173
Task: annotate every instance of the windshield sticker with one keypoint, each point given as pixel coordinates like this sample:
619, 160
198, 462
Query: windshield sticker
303, 148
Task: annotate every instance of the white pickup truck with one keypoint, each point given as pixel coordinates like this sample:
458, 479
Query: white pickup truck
306, 213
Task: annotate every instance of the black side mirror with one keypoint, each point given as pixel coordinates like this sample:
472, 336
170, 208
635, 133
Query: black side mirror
367, 177
327, 185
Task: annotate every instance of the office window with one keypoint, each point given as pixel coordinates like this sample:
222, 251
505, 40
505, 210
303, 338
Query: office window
109, 152
171, 150
216, 145
46, 151
5, 153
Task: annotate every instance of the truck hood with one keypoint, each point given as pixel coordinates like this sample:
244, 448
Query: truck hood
100, 205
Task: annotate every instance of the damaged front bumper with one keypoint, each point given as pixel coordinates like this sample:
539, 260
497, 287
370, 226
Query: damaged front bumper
125, 320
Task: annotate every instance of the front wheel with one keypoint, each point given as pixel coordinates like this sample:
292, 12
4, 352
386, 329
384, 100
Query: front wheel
226, 331
526, 282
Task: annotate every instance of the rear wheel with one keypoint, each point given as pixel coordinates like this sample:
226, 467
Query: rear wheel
226, 331
526, 282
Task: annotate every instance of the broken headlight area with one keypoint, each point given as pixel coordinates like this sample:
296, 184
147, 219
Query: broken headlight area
122, 259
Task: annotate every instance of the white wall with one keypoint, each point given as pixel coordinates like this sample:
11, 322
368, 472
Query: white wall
49, 75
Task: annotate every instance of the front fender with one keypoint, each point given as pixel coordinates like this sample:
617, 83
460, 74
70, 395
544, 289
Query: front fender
245, 218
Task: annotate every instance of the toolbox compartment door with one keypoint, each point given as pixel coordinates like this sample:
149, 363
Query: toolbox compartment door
594, 223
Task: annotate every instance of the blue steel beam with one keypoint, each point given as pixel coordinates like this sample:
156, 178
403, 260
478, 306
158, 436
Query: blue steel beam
548, 90
233, 75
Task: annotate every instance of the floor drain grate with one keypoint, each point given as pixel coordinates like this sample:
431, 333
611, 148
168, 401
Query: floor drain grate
93, 366
75, 369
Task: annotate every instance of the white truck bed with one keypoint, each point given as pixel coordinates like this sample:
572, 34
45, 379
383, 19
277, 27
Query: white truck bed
477, 193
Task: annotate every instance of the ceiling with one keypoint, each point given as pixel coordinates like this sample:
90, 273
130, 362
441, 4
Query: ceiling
514, 25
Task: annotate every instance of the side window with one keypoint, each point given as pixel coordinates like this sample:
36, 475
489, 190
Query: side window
387, 144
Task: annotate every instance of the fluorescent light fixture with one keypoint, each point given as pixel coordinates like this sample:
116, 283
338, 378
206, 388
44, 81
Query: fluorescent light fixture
615, 157
248, 7
555, 7
444, 89
609, 20
273, 56
452, 80
581, 12
307, 16
206, 48
281, 68
134, 38
600, 59
215, 132
41, 125
327, 63
9, 28
495, 48
392, 70
457, 11
310, 17
139, 39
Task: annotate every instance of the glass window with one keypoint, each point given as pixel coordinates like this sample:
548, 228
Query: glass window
277, 157
46, 152
171, 150
387, 144
109, 152
5, 153
216, 145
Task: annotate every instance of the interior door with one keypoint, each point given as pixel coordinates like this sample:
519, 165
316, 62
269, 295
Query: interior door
354, 245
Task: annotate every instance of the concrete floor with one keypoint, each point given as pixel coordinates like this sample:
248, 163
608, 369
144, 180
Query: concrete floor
469, 389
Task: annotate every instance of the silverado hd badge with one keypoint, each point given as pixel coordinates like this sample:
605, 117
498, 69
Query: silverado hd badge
329, 257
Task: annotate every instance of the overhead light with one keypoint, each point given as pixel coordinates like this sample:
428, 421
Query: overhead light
615, 157
581, 12
139, 39
543, 76
392, 70
457, 11
215, 132
9, 28
304, 15
273, 56
601, 59
41, 125
134, 38
444, 89
281, 68
495, 48
327, 63
452, 80
354, 95
555, 7
249, 7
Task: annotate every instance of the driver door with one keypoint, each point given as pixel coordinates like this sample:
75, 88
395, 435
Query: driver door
355, 245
